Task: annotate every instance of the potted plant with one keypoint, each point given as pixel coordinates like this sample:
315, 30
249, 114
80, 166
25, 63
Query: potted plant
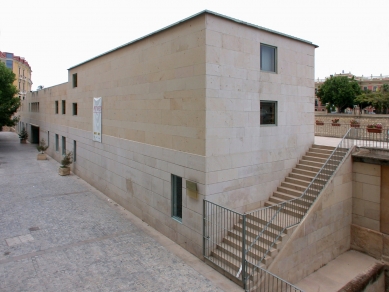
64, 169
354, 123
42, 148
319, 123
374, 128
23, 135
335, 122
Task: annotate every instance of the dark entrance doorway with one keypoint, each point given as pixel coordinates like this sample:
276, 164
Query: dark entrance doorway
34, 134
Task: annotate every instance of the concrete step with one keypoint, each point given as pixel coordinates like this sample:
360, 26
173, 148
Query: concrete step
289, 211
301, 175
289, 191
323, 147
266, 238
294, 186
309, 157
263, 221
255, 252
318, 153
310, 168
296, 181
300, 205
253, 230
324, 152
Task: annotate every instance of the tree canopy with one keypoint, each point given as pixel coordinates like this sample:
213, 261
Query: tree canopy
378, 99
340, 91
9, 102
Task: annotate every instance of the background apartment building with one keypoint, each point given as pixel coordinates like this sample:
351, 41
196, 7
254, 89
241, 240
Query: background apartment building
372, 83
21, 69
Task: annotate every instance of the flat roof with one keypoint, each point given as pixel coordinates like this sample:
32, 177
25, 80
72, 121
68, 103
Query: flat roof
191, 17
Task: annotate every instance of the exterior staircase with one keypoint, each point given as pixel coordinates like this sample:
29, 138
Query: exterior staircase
266, 227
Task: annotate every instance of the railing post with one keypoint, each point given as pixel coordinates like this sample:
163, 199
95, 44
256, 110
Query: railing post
244, 252
204, 216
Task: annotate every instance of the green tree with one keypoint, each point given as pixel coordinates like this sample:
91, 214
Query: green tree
9, 102
378, 99
340, 91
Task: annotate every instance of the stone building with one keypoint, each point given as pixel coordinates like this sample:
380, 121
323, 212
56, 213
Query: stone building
209, 107
21, 69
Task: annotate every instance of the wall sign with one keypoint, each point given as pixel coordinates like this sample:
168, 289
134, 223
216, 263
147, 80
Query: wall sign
97, 102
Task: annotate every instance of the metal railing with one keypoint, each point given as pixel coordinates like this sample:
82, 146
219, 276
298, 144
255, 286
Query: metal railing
262, 228
218, 222
363, 137
264, 281
339, 130
290, 213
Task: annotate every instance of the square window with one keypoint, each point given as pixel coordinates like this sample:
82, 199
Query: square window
63, 107
177, 197
268, 58
268, 113
74, 80
74, 109
56, 142
63, 145
56, 106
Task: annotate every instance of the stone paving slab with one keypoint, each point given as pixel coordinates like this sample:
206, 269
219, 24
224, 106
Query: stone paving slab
60, 234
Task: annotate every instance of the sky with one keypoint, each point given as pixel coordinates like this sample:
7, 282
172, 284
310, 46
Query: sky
53, 36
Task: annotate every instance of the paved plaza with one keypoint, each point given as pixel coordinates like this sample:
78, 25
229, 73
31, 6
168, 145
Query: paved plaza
60, 234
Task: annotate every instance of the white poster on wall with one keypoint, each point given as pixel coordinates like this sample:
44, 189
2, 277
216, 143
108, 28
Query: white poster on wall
97, 102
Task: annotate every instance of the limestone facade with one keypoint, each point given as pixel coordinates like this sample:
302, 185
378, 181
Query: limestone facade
184, 101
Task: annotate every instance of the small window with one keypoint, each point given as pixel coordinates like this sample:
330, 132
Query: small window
56, 106
268, 58
177, 197
56, 142
63, 145
74, 150
74, 80
63, 107
268, 113
74, 109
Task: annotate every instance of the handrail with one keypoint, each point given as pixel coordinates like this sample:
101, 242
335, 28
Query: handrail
283, 205
271, 281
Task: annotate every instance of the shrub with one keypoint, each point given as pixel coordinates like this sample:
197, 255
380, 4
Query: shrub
42, 146
67, 159
23, 135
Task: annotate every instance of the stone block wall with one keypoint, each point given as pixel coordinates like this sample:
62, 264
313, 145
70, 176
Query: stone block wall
366, 195
246, 162
323, 234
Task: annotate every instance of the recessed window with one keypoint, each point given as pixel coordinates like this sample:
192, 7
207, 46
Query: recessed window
56, 106
177, 197
268, 58
74, 150
56, 142
74, 109
268, 113
64, 107
74, 80
63, 145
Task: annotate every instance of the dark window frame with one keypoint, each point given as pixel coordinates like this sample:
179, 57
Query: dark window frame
63, 145
56, 142
74, 79
266, 118
56, 107
176, 186
275, 61
74, 108
64, 107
